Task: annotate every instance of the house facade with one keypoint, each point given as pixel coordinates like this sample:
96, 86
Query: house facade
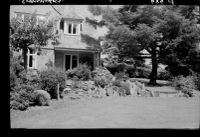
77, 38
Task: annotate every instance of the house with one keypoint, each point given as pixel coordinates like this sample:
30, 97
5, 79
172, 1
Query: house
77, 38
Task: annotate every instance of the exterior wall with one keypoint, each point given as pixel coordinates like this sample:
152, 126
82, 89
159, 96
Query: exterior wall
46, 59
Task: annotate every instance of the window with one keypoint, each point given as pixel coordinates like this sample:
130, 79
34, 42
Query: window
31, 58
26, 16
72, 28
71, 61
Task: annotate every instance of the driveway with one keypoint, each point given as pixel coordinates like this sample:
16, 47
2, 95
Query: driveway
114, 112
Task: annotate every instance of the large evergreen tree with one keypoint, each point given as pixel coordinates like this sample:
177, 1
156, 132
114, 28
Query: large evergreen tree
168, 33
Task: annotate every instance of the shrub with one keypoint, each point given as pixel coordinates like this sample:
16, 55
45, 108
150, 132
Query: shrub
164, 75
197, 80
102, 77
123, 86
120, 67
143, 72
15, 69
185, 84
121, 76
100, 81
49, 81
82, 72
116, 83
22, 97
42, 98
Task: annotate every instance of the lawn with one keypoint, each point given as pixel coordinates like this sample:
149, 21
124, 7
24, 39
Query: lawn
114, 112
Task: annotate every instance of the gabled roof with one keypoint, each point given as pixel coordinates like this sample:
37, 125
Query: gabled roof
72, 15
67, 12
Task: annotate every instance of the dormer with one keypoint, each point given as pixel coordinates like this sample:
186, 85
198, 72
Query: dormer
71, 24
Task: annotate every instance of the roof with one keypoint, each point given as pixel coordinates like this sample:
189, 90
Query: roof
72, 15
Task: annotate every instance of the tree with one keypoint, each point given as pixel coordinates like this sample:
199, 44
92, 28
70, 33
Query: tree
27, 32
158, 29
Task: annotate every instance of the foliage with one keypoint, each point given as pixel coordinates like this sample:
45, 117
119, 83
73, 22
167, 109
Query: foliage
15, 69
82, 72
143, 72
100, 82
22, 97
123, 86
49, 81
101, 76
168, 33
185, 84
42, 98
164, 75
28, 32
121, 76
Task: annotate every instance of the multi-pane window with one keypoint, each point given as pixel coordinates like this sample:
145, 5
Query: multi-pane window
26, 16
71, 28
31, 58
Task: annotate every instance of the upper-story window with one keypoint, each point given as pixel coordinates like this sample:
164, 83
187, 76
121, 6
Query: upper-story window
26, 16
71, 28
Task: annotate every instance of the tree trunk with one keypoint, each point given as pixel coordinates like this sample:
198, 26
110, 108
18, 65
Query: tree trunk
24, 52
153, 75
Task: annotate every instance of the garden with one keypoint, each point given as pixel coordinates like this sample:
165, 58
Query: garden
33, 88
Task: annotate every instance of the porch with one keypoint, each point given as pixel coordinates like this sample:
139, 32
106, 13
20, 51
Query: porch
71, 58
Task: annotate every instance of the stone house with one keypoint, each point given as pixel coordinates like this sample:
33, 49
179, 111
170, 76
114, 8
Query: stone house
77, 38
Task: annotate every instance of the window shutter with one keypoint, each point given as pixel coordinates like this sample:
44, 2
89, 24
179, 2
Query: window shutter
65, 28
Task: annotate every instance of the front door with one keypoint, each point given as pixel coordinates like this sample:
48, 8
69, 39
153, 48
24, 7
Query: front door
71, 61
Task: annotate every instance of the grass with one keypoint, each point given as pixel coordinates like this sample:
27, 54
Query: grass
115, 112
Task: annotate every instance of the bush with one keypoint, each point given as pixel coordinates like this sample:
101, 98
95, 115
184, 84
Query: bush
197, 80
121, 76
15, 69
120, 67
143, 72
49, 81
22, 97
82, 72
164, 75
42, 98
123, 86
185, 84
100, 81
